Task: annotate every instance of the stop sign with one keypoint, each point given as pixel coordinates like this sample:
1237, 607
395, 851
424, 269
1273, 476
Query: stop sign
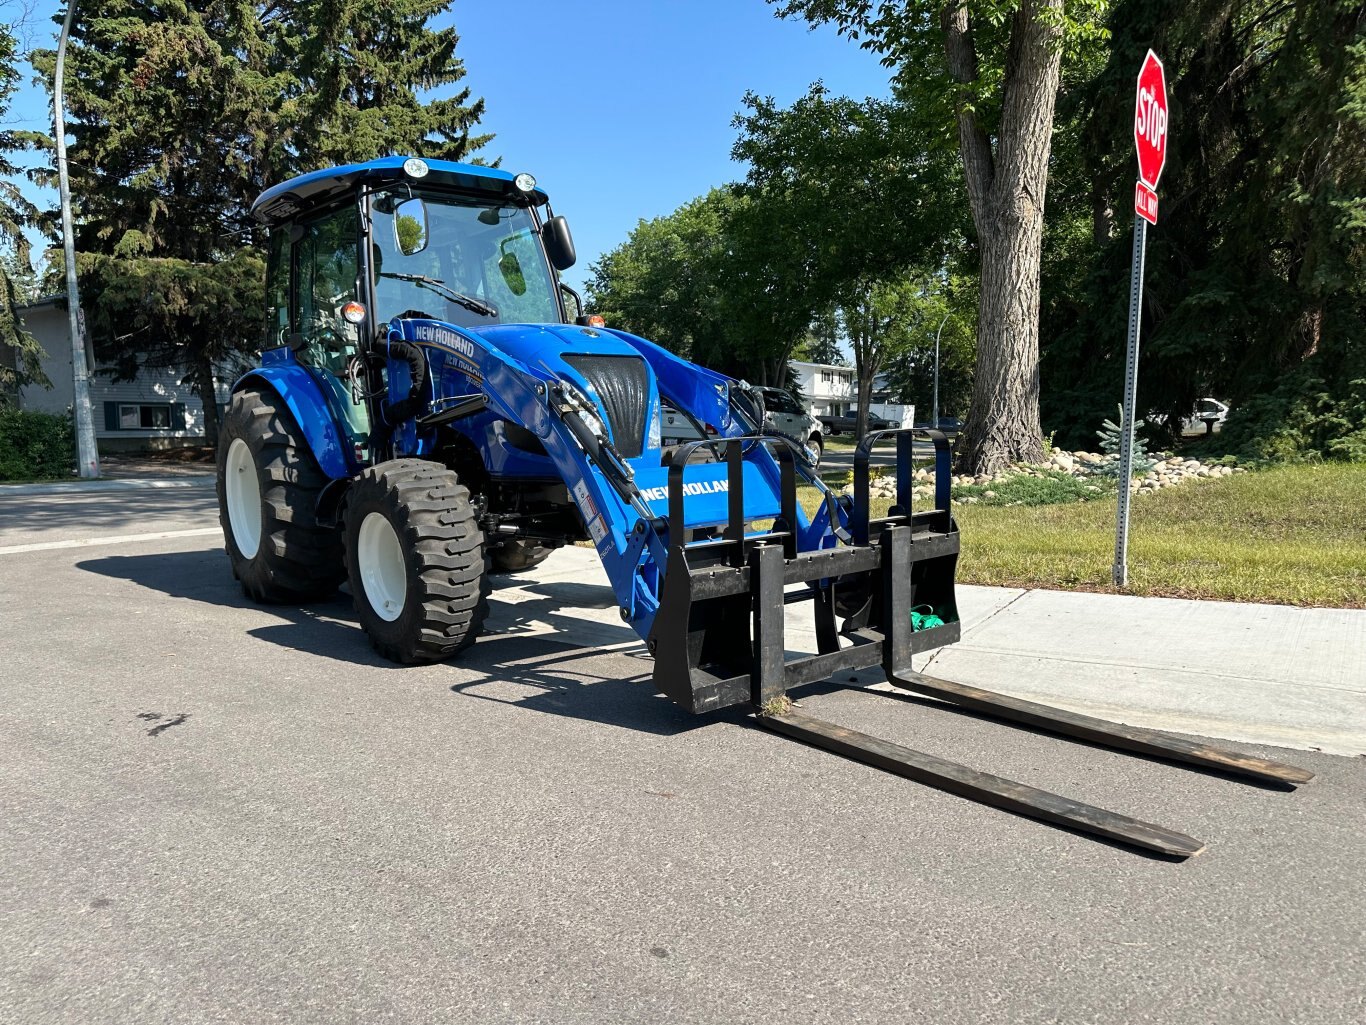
1150, 121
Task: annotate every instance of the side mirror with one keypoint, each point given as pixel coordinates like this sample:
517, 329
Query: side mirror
410, 227
559, 244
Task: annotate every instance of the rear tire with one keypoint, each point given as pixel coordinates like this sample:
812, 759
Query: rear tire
415, 561
268, 487
517, 556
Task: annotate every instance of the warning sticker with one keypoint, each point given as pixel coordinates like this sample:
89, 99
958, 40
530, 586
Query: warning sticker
589, 510
585, 500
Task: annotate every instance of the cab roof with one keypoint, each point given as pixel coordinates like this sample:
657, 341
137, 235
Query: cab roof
282, 202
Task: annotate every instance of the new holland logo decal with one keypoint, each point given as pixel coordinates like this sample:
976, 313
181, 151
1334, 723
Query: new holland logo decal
434, 334
700, 487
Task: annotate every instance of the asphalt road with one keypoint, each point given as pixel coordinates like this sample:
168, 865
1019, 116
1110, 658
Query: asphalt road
217, 812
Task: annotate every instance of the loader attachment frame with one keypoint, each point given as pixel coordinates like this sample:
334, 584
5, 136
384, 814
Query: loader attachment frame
718, 636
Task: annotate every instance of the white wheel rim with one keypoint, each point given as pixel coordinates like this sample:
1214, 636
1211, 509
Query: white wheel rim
383, 574
243, 497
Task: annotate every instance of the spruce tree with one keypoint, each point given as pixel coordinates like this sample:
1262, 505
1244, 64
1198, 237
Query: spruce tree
21, 365
181, 112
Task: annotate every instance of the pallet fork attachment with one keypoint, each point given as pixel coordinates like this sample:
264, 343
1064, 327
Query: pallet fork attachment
718, 638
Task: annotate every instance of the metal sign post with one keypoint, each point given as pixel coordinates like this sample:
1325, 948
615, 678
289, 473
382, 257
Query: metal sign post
1126, 457
1150, 140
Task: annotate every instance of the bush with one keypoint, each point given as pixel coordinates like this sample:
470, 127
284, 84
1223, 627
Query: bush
35, 446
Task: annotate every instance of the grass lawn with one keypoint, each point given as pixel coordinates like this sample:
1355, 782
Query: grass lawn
1293, 535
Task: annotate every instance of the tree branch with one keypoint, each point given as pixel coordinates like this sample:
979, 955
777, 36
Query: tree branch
978, 165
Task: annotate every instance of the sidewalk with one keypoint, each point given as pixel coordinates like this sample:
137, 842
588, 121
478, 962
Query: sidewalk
125, 473
1259, 674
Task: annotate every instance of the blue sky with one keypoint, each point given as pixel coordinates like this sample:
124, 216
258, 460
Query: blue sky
620, 108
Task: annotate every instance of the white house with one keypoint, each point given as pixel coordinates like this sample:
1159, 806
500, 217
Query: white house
828, 389
832, 390
154, 410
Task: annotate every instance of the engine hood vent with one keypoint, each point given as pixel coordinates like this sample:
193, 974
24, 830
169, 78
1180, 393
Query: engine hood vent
622, 386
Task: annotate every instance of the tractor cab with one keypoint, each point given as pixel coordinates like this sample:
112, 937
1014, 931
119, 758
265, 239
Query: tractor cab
355, 248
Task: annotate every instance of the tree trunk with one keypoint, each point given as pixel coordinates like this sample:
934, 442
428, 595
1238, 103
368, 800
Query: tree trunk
208, 397
1006, 192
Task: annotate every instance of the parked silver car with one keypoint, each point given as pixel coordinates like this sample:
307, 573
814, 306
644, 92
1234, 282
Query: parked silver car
783, 414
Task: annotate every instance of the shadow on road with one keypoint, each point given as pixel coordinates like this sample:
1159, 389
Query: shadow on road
566, 672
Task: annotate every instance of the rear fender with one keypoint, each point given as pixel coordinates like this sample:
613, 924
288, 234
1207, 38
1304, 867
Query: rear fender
311, 411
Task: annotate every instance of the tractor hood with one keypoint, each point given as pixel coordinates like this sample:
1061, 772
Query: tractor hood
611, 372
624, 375
545, 346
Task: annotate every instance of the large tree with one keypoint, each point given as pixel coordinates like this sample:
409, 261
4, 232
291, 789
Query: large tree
867, 201
182, 111
987, 74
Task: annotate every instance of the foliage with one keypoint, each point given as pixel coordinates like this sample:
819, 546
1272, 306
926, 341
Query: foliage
16, 213
1304, 419
865, 194
984, 77
1111, 438
195, 311
947, 311
1256, 272
821, 344
35, 446
671, 282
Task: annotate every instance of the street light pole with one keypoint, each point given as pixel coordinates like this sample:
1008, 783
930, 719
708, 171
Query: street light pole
935, 424
87, 456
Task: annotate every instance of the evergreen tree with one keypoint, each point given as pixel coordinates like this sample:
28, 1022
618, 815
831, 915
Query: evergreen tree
16, 213
181, 112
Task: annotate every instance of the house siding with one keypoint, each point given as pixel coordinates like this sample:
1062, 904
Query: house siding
47, 322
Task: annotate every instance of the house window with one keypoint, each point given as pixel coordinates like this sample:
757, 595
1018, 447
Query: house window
134, 418
144, 416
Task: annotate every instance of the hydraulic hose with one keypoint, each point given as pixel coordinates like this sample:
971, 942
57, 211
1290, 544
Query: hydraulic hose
396, 412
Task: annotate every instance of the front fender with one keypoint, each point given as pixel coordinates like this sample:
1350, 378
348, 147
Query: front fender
310, 409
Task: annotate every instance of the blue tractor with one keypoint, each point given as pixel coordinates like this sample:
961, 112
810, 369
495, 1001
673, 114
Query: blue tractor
431, 410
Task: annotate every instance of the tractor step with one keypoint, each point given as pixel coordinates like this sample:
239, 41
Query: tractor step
981, 786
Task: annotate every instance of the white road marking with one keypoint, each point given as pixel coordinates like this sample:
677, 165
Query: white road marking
114, 539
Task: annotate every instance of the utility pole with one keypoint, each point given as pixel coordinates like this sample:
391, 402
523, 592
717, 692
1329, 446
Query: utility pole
87, 456
935, 424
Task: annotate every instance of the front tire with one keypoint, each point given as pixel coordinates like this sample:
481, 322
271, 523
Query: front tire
415, 561
268, 487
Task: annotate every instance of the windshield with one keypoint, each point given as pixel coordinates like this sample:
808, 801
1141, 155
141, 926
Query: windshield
458, 259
